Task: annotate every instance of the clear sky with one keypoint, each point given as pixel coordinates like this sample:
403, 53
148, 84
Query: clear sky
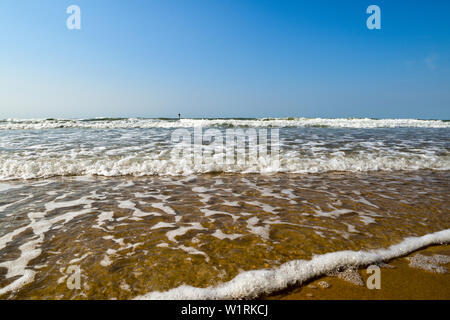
224, 58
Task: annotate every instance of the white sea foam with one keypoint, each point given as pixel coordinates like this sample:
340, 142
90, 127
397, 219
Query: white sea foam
194, 251
11, 169
103, 217
31, 250
137, 213
263, 232
38, 124
220, 235
160, 225
251, 284
138, 152
171, 235
111, 167
209, 213
7, 186
165, 208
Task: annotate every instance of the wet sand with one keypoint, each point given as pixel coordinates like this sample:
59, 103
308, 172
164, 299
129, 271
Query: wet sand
399, 281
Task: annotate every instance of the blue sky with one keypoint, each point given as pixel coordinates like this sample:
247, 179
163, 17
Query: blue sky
224, 58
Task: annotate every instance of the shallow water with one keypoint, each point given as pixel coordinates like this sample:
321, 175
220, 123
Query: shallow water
133, 235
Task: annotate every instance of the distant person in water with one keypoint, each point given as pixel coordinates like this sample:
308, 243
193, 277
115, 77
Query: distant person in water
179, 116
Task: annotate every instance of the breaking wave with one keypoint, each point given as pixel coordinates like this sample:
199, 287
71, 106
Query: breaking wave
11, 169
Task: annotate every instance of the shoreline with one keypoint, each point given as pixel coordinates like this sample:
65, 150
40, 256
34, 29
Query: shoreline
399, 281
143, 237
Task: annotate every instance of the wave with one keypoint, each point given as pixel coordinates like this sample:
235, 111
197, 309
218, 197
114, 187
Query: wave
11, 169
113, 123
252, 284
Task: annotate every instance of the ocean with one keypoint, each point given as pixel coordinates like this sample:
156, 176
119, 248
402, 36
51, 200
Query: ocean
167, 209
